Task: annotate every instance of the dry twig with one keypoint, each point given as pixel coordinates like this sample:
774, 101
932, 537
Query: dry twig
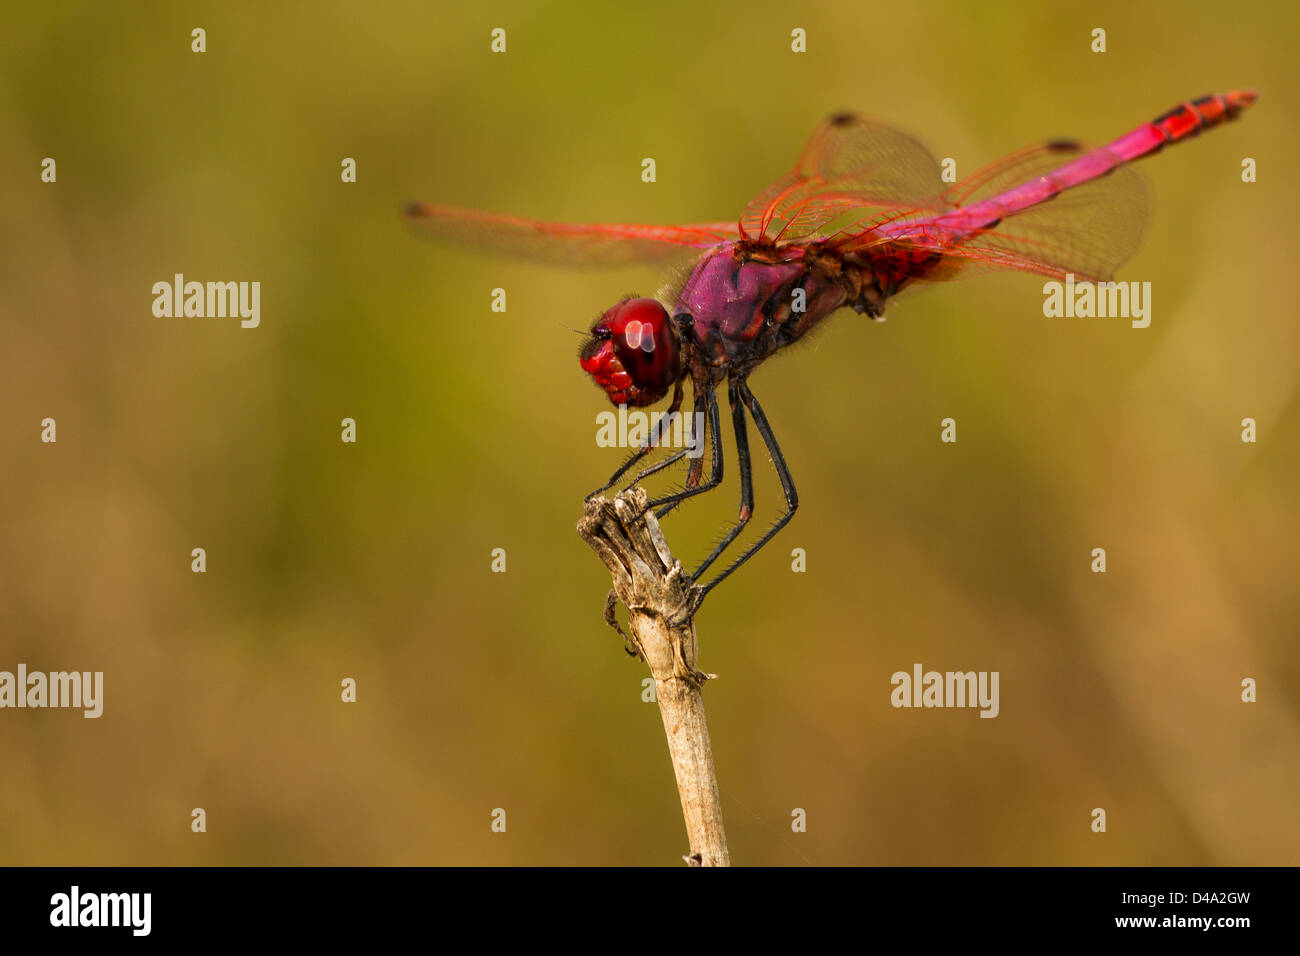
652, 586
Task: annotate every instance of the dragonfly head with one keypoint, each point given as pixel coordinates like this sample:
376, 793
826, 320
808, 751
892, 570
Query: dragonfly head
633, 353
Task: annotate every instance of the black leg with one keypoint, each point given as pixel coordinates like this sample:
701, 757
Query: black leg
658, 466
669, 502
746, 476
654, 436
675, 456
787, 485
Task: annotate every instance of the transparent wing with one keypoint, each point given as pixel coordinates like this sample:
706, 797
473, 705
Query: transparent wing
852, 168
1088, 230
560, 242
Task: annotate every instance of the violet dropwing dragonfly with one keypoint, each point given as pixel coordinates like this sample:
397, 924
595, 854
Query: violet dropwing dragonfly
863, 215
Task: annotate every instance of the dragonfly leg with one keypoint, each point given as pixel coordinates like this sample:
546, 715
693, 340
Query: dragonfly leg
787, 486
656, 467
675, 456
656, 432
746, 477
693, 486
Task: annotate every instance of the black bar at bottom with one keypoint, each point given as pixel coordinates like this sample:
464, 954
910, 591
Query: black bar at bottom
305, 905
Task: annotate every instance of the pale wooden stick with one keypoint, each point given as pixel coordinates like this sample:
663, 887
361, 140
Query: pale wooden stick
651, 585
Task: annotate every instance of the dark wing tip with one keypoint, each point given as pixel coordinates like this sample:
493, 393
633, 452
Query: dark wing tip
843, 118
411, 209
1063, 145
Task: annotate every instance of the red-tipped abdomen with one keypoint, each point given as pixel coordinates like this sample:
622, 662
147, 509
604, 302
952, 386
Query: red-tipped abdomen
1188, 119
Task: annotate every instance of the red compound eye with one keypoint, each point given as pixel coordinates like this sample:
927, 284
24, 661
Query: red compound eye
633, 353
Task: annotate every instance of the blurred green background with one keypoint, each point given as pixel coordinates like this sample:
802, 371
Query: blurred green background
476, 431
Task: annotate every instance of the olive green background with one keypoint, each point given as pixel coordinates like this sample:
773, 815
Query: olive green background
476, 431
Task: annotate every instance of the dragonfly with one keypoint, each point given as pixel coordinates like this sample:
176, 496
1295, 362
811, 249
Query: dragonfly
863, 215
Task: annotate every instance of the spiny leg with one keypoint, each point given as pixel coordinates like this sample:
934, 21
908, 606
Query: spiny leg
694, 473
787, 486
675, 456
647, 445
746, 476
693, 487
